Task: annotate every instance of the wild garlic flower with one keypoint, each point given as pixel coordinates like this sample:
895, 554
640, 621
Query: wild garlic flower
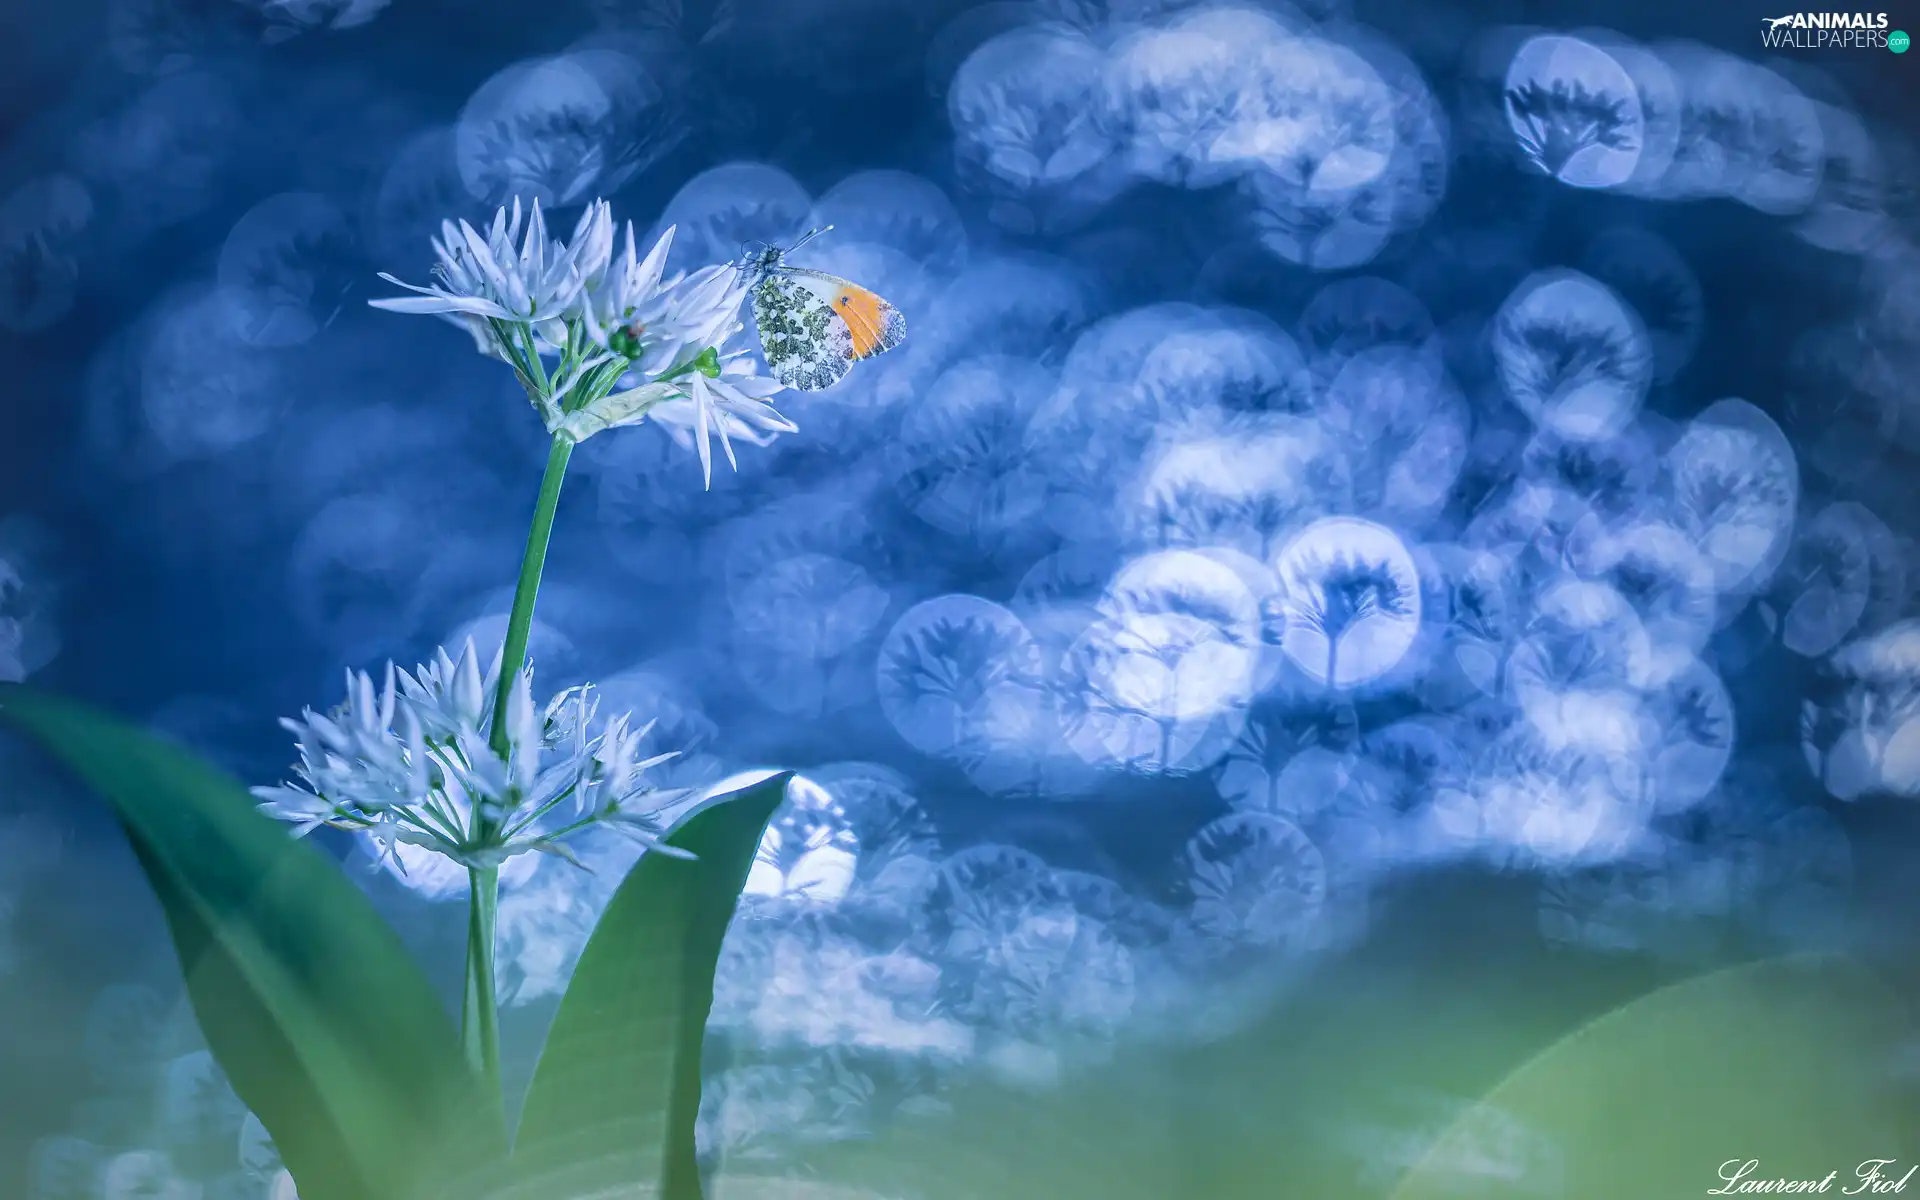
617, 298
670, 333
689, 314
409, 761
733, 401
630, 342
508, 296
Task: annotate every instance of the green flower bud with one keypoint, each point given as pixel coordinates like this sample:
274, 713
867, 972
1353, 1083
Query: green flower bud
625, 340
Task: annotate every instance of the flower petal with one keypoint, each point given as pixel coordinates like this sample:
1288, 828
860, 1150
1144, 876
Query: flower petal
700, 403
472, 305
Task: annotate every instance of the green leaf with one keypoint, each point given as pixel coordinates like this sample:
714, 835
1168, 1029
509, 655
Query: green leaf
327, 1030
614, 1098
1773, 1061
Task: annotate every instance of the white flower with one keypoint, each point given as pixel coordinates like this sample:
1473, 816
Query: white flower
681, 380
623, 294
689, 314
487, 280
410, 762
631, 343
664, 333
734, 402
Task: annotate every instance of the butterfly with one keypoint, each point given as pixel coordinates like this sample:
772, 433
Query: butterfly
815, 326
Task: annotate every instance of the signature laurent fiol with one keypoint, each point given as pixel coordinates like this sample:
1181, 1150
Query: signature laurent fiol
1874, 1177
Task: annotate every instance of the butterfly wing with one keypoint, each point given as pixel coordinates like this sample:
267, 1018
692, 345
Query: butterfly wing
815, 326
808, 346
876, 325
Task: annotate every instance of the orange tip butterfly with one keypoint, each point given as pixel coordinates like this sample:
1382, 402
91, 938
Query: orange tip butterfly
815, 326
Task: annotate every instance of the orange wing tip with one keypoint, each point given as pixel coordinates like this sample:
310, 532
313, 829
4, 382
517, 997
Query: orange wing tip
876, 325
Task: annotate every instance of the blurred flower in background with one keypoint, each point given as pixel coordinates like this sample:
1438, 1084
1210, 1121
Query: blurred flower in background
29, 637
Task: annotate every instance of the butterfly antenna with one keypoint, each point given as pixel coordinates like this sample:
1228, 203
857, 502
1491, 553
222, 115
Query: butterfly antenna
808, 236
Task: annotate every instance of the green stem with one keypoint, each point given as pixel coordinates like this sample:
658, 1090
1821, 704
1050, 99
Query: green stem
479, 1014
513, 654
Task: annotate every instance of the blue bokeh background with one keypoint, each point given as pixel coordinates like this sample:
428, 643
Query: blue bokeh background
1366, 482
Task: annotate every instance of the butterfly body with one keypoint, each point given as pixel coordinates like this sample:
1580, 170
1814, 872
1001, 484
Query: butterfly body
815, 326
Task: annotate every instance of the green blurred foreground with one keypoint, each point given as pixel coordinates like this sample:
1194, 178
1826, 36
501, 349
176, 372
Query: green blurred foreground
1784, 1062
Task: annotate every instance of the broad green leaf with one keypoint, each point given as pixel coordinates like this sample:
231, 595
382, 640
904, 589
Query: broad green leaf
1775, 1061
614, 1098
327, 1030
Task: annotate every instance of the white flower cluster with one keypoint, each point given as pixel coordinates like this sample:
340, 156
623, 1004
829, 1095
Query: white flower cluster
410, 762
628, 341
